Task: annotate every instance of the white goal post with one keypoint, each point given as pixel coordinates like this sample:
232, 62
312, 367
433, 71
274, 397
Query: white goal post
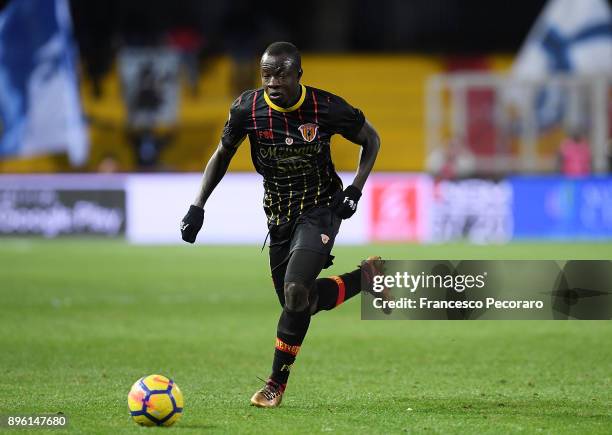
510, 125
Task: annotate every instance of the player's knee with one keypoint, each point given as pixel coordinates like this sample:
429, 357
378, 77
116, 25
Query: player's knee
296, 296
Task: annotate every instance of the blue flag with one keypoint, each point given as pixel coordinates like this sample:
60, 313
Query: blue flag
571, 37
40, 110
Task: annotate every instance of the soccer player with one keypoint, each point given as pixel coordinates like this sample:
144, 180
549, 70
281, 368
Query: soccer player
289, 126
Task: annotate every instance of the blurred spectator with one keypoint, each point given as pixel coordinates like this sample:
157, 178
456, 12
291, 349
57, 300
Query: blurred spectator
108, 164
151, 92
148, 144
575, 156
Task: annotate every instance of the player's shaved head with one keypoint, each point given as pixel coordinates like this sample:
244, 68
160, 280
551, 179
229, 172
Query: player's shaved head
281, 70
285, 50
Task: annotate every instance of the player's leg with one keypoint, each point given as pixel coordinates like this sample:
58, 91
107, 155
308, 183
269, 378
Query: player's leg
302, 269
278, 267
279, 252
335, 290
328, 292
310, 243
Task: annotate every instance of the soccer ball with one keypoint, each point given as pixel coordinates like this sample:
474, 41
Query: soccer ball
155, 400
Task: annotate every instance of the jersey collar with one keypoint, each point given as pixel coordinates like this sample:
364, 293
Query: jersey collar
289, 109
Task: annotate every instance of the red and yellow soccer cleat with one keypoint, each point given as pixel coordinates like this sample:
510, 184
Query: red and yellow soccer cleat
270, 396
371, 267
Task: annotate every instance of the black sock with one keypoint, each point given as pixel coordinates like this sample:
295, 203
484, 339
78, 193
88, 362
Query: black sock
292, 328
334, 290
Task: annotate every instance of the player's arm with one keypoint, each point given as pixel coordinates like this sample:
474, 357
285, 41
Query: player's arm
351, 123
214, 171
233, 135
369, 141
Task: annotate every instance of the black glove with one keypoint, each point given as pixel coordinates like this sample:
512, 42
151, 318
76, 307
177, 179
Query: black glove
192, 223
345, 204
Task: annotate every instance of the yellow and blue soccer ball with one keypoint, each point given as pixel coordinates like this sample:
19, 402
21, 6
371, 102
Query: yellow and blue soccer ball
155, 401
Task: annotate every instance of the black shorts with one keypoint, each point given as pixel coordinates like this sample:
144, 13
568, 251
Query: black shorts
315, 231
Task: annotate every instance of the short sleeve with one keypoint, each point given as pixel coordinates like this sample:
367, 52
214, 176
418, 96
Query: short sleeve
344, 118
234, 128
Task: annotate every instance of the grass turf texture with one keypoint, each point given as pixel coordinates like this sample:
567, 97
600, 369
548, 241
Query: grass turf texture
80, 321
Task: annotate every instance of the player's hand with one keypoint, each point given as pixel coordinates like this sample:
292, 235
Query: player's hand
345, 204
192, 223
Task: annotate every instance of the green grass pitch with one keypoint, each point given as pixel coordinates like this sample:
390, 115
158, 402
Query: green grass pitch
81, 320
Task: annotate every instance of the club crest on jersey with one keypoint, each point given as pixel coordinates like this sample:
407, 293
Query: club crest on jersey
309, 131
324, 238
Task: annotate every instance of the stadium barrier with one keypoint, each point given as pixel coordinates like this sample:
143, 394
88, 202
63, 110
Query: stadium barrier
147, 208
559, 208
59, 205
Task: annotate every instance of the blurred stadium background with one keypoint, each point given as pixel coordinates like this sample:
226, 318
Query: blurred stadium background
492, 129
496, 126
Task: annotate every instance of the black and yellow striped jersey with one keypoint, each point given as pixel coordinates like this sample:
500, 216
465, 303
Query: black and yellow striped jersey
290, 147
